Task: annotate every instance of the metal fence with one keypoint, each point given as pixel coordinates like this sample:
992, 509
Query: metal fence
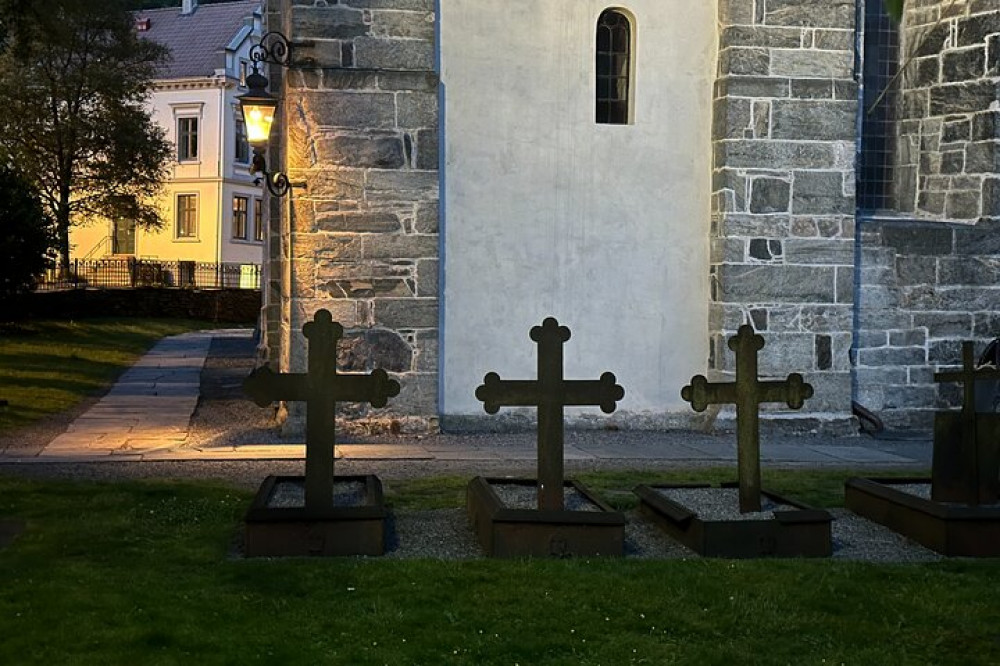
133, 273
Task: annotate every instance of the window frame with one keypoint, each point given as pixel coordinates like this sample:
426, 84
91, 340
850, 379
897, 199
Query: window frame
240, 132
187, 140
258, 219
604, 113
240, 217
180, 210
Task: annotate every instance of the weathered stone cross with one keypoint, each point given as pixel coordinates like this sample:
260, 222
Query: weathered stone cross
321, 388
550, 393
970, 472
747, 392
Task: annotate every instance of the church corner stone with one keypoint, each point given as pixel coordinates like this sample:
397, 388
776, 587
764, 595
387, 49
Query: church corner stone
784, 193
360, 105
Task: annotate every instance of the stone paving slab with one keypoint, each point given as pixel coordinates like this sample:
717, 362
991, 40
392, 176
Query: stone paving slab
626, 452
383, 452
793, 453
858, 454
251, 452
507, 453
722, 451
147, 410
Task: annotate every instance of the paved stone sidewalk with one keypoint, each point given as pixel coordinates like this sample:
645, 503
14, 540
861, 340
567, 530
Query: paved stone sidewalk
148, 409
146, 416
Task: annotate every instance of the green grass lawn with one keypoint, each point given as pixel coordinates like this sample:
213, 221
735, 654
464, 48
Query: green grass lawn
140, 573
49, 366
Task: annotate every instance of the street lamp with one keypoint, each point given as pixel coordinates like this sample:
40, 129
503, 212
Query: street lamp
258, 108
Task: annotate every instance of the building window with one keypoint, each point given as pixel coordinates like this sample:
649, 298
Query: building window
258, 220
244, 72
187, 139
242, 146
240, 218
187, 215
614, 67
876, 161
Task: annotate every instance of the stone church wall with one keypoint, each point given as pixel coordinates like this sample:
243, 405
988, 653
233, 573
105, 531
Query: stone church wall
783, 211
949, 120
360, 103
931, 281
778, 232
926, 287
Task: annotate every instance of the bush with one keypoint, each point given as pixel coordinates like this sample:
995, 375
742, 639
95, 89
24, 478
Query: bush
26, 236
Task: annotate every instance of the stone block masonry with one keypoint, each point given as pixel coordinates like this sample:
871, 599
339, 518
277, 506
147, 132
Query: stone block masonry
925, 288
783, 212
930, 279
948, 150
361, 105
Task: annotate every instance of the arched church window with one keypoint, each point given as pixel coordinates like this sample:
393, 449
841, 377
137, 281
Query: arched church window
614, 67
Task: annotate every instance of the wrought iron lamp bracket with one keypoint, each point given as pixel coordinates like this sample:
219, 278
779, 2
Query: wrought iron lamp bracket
275, 49
277, 183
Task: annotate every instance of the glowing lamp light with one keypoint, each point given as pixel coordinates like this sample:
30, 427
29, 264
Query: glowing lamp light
258, 108
258, 119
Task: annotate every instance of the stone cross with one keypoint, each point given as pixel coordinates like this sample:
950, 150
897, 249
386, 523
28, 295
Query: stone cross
550, 393
747, 392
320, 388
969, 472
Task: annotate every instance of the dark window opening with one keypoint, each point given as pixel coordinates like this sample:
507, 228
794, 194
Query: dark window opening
187, 139
242, 145
877, 158
240, 218
614, 66
124, 237
258, 220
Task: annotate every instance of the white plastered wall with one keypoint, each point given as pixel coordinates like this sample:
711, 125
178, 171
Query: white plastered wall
547, 213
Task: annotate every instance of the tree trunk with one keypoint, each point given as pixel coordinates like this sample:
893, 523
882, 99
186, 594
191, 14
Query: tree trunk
62, 226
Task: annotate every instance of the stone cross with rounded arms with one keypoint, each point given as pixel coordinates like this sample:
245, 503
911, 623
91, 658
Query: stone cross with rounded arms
747, 393
550, 393
321, 388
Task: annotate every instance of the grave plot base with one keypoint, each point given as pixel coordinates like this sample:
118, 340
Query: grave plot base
801, 532
295, 531
949, 529
508, 532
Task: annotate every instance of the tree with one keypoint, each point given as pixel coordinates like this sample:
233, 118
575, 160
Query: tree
25, 236
76, 79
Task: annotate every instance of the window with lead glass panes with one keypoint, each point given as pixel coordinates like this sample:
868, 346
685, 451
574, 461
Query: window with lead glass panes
187, 139
880, 96
242, 146
614, 67
258, 220
240, 217
187, 215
